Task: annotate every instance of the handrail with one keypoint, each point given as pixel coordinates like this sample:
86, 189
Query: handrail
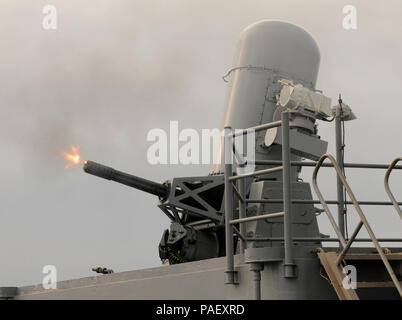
387, 188
363, 220
284, 166
323, 202
258, 128
260, 217
256, 173
230, 190
325, 165
304, 201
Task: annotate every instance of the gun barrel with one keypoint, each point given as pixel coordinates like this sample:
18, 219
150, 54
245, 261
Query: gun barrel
109, 173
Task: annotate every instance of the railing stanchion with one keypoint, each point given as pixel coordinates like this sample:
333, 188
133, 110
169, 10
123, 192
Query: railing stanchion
242, 213
339, 159
387, 188
289, 266
228, 172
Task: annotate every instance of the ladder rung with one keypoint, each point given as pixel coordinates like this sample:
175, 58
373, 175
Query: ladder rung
261, 217
372, 256
384, 284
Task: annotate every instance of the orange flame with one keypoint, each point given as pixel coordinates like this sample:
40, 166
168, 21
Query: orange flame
72, 158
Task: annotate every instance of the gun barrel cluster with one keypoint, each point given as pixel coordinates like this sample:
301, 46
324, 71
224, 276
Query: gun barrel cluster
142, 184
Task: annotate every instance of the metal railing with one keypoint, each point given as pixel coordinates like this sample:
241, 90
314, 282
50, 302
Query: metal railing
387, 188
363, 221
240, 192
284, 165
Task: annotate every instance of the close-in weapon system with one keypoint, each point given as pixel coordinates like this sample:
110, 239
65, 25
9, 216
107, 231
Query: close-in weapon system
253, 210
269, 76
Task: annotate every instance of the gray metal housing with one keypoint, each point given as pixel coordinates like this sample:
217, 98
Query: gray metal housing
267, 51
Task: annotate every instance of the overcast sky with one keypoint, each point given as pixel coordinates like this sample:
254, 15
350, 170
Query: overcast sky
113, 70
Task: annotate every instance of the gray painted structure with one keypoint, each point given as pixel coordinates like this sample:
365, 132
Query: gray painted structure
268, 51
195, 280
